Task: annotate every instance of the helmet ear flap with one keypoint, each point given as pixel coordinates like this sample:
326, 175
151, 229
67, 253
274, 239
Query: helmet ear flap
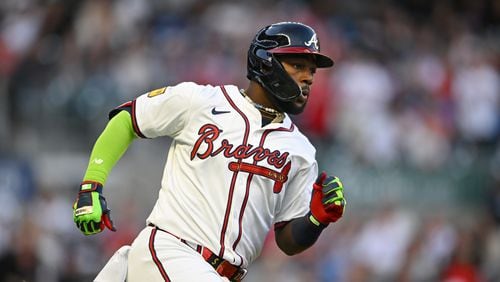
271, 74
263, 55
265, 60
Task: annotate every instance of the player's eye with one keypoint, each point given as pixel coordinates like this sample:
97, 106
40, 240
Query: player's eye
298, 66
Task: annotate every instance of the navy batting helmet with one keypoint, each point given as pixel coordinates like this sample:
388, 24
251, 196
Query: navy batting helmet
282, 38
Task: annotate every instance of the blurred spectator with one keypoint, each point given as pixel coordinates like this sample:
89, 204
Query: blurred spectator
463, 265
431, 249
335, 251
476, 89
21, 261
365, 91
379, 249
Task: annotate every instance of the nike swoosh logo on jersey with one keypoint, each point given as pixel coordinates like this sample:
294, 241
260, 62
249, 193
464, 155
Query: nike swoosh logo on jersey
215, 112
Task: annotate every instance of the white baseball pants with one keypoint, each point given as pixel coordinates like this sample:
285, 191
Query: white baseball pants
158, 256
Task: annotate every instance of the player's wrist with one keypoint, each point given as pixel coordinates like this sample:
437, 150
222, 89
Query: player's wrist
90, 186
315, 221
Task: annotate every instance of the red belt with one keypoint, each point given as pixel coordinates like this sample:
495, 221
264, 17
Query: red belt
222, 266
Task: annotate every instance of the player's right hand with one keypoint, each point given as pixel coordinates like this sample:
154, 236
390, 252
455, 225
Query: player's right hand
327, 201
90, 211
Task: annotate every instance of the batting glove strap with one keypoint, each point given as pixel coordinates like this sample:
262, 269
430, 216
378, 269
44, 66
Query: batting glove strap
89, 186
327, 201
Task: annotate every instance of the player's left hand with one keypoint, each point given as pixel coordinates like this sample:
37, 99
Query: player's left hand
90, 211
327, 202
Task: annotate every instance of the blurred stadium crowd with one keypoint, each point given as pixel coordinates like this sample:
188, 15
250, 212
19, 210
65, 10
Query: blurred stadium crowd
409, 117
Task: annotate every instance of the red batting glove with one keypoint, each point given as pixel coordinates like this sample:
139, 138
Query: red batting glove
327, 201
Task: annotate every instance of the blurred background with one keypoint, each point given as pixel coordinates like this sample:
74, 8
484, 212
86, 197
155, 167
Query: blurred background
409, 118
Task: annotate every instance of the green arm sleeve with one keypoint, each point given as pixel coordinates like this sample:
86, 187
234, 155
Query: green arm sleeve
110, 147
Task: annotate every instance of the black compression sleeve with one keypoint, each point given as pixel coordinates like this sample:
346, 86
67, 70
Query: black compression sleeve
304, 232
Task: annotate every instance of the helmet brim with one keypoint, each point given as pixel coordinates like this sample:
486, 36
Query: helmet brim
322, 61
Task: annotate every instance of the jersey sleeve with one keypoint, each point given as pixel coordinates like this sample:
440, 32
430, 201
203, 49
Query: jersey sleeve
164, 111
297, 194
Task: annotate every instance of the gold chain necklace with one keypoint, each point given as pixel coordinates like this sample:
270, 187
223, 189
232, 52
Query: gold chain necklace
276, 115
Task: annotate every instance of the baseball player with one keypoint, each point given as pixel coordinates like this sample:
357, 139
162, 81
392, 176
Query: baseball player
237, 167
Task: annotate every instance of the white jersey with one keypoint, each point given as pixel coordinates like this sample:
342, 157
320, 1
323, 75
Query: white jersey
227, 179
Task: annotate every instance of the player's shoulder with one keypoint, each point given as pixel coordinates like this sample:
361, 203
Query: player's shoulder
295, 142
300, 144
190, 86
307, 143
206, 90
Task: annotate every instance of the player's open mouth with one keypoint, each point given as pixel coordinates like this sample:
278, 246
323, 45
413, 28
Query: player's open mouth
303, 97
305, 91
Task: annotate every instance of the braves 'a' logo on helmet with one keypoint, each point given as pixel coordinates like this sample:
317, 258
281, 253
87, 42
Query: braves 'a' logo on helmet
313, 42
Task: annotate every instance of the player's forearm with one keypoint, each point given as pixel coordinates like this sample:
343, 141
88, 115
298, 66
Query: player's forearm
109, 147
298, 235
